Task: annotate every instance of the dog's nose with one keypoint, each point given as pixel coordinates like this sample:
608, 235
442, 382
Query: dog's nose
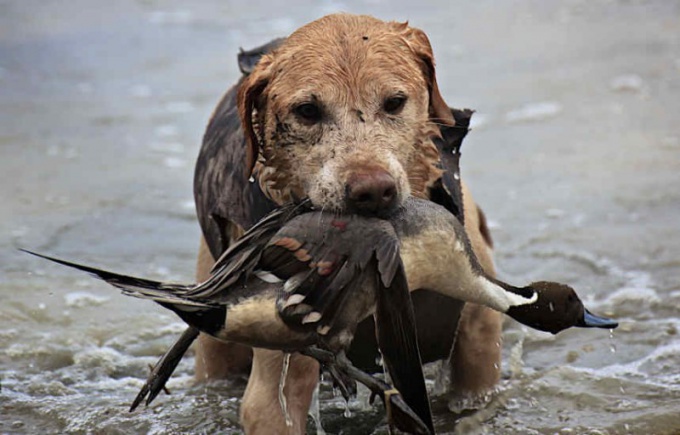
371, 193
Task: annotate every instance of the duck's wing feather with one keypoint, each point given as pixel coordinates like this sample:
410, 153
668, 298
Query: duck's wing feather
161, 292
243, 257
398, 342
324, 259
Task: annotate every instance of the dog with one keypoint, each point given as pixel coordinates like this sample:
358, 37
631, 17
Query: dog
344, 111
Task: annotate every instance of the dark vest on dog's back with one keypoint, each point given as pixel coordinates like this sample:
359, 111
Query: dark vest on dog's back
223, 194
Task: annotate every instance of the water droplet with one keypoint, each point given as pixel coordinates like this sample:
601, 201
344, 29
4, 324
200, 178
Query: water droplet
251, 179
612, 344
551, 306
622, 390
348, 412
495, 366
282, 384
379, 360
314, 411
456, 175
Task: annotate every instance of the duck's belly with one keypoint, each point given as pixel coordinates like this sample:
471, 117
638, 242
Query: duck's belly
256, 322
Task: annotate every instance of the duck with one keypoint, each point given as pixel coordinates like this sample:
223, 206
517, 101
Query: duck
298, 281
303, 279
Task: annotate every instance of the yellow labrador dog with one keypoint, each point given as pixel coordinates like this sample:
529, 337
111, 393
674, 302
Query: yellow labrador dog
345, 111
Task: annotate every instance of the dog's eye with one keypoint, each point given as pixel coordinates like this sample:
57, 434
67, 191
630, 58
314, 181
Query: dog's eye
308, 112
393, 105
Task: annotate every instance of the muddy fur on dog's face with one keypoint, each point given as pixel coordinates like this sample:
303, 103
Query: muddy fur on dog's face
344, 97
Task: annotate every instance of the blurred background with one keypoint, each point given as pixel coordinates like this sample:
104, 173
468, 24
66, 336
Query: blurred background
574, 156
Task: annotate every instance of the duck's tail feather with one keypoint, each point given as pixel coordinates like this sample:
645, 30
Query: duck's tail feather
163, 293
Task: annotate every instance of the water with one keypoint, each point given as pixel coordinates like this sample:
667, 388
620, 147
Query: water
575, 158
283, 400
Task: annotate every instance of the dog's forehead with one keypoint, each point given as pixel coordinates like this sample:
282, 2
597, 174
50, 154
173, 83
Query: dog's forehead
348, 53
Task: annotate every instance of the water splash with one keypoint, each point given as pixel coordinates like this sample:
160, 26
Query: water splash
315, 411
282, 384
348, 412
612, 343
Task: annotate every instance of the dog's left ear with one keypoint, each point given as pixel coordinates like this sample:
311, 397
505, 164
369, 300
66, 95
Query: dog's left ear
420, 45
249, 100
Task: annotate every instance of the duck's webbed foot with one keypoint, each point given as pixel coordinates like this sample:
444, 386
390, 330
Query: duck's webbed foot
343, 372
336, 367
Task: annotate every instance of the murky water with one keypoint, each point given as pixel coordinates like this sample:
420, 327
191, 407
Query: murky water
575, 157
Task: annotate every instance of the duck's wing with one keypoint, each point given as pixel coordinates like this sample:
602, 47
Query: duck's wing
329, 259
397, 338
323, 258
243, 257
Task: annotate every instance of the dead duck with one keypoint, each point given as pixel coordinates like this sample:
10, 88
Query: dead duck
296, 279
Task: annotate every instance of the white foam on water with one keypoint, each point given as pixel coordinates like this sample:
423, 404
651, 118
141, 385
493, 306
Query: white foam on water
166, 130
84, 299
633, 369
635, 294
534, 112
174, 162
627, 83
479, 121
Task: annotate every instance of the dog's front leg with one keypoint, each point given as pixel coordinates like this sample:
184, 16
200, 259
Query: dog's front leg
476, 357
261, 411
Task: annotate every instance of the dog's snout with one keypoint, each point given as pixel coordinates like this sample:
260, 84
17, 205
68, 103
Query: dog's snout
371, 193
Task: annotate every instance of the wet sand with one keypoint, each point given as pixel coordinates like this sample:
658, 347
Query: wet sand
574, 155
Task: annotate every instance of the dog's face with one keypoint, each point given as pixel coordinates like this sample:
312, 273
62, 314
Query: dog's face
344, 112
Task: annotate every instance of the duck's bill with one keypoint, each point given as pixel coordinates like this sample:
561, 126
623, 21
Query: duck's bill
590, 320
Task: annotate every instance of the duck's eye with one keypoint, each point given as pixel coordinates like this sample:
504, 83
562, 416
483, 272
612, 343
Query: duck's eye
308, 112
393, 105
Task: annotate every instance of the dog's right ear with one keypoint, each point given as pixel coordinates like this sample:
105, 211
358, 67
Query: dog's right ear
250, 100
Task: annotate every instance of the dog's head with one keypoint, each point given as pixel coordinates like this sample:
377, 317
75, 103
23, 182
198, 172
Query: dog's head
344, 112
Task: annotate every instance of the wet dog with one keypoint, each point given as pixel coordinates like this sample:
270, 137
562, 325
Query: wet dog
345, 111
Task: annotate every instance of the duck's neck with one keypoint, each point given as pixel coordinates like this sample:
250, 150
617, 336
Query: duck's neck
502, 296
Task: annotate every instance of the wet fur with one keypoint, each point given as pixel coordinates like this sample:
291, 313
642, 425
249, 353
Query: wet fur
348, 65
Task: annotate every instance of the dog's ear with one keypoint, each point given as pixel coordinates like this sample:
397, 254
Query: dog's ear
420, 45
249, 100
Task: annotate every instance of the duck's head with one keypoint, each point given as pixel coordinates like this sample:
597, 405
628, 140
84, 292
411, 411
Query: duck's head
557, 308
